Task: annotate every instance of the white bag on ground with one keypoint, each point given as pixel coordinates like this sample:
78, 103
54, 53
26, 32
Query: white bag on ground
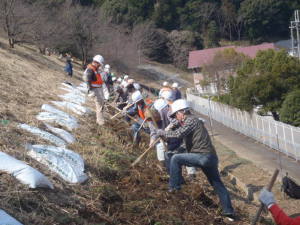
78, 109
83, 87
66, 163
69, 138
23, 172
6, 219
51, 109
105, 91
69, 123
160, 151
43, 134
74, 91
71, 97
190, 170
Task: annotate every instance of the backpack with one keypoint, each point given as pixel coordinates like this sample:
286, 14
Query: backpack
290, 187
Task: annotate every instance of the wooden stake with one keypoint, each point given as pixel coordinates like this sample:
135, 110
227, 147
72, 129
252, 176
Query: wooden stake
269, 188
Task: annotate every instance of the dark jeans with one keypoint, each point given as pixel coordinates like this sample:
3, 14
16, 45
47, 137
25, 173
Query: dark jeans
209, 165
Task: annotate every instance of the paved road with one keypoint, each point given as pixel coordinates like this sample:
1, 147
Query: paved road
246, 147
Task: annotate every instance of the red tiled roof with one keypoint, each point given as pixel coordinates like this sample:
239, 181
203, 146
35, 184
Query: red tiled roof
203, 57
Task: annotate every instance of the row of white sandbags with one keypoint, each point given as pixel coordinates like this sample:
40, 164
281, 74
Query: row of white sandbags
58, 159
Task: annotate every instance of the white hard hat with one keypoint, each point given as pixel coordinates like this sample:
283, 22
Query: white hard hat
175, 85
137, 86
131, 81
178, 105
126, 77
98, 59
159, 104
107, 66
136, 96
168, 95
113, 78
119, 79
166, 83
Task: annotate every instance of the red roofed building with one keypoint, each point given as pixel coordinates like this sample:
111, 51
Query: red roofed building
198, 59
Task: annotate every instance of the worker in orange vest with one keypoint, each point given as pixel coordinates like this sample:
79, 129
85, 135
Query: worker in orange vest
138, 109
94, 81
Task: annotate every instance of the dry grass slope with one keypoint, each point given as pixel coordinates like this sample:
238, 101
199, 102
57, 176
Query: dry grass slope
114, 194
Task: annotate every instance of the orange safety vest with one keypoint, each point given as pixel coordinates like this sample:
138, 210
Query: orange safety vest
99, 81
148, 104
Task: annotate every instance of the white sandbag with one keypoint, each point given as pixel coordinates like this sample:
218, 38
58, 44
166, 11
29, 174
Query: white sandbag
69, 138
190, 170
69, 123
6, 219
66, 163
72, 98
105, 91
51, 109
78, 109
160, 149
74, 91
43, 134
23, 172
83, 87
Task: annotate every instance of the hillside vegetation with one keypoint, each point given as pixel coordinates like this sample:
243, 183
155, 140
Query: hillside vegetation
128, 31
114, 193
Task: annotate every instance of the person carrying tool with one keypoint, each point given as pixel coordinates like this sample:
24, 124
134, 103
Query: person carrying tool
175, 88
94, 82
138, 109
200, 153
267, 198
174, 144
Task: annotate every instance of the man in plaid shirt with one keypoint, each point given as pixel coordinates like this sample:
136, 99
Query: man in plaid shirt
200, 153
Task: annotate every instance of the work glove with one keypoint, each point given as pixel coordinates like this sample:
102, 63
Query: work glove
266, 197
169, 127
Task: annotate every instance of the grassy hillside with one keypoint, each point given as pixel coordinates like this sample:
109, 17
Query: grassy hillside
114, 193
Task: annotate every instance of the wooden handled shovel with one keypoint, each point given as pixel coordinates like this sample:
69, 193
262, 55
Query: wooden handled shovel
121, 110
269, 188
144, 153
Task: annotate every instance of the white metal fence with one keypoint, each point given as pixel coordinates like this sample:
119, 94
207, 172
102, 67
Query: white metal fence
263, 129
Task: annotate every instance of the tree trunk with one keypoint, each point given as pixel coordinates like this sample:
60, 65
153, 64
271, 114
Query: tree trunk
11, 42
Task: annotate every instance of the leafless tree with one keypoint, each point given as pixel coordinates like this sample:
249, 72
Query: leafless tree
84, 26
13, 18
224, 64
45, 27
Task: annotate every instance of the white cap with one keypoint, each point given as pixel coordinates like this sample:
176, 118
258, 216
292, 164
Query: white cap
98, 59
137, 86
159, 104
168, 95
166, 83
175, 85
130, 81
126, 77
178, 105
107, 66
136, 96
113, 78
119, 79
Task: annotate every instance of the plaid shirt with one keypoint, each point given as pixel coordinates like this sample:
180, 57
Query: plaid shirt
189, 125
194, 133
